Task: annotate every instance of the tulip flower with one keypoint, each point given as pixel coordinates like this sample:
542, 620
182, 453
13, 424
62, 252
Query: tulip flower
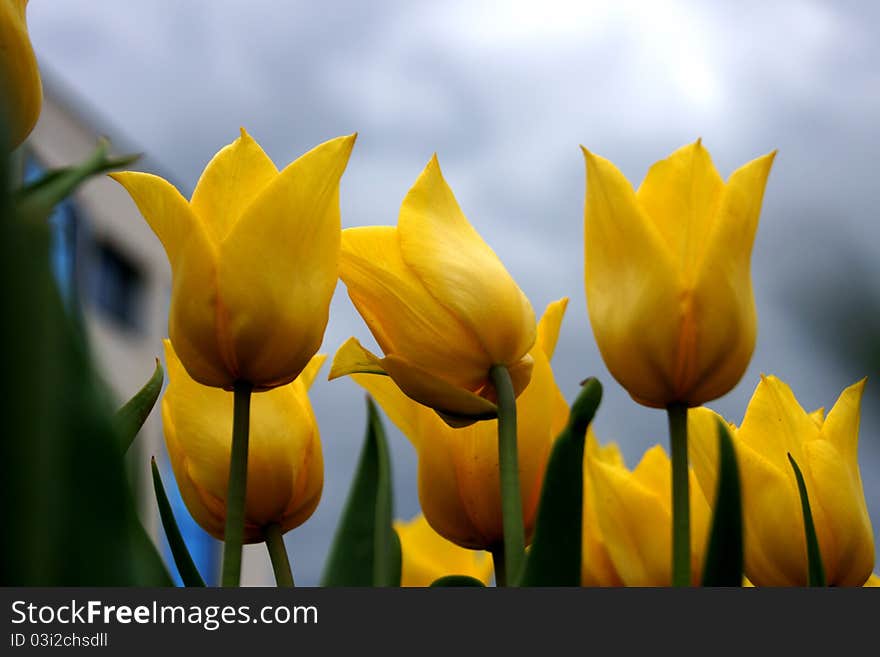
873, 580
21, 91
627, 538
285, 466
427, 556
825, 450
458, 468
440, 304
254, 260
667, 273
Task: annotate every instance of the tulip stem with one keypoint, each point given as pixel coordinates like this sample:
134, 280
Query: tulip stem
278, 555
511, 502
235, 496
681, 521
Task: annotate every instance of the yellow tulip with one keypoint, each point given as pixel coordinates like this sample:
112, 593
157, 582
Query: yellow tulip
427, 556
254, 260
21, 91
627, 522
440, 304
667, 273
825, 449
873, 580
285, 465
459, 486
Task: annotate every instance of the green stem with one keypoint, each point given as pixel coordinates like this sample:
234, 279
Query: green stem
681, 522
278, 555
498, 562
235, 495
511, 502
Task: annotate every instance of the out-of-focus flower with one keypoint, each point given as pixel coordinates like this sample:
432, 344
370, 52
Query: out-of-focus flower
873, 580
254, 260
440, 304
427, 556
774, 426
667, 272
459, 486
285, 464
21, 91
627, 526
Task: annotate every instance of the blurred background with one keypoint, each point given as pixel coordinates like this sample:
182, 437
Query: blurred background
504, 92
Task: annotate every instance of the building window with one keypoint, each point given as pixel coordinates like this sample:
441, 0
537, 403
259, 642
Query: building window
116, 286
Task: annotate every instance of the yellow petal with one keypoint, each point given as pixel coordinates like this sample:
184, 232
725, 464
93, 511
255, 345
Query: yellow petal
166, 211
776, 425
230, 182
21, 91
636, 526
460, 270
279, 265
633, 288
307, 377
680, 195
597, 568
873, 580
413, 419
549, 325
818, 416
427, 389
353, 358
428, 556
841, 427
724, 305
401, 314
192, 319
842, 523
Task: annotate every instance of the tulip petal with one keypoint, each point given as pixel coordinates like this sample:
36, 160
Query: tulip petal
428, 556
20, 85
230, 182
307, 377
818, 416
445, 251
445, 398
401, 314
841, 427
843, 526
192, 319
681, 194
279, 265
633, 287
167, 212
549, 325
724, 304
635, 523
597, 568
413, 419
776, 425
353, 358
873, 580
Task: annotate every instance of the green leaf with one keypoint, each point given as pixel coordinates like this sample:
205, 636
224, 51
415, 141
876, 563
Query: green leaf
366, 549
182, 559
36, 200
457, 580
724, 554
69, 515
815, 569
131, 417
554, 558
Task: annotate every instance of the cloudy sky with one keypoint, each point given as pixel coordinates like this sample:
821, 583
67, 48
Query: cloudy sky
504, 92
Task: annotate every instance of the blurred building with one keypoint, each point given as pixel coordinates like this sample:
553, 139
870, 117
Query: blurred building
112, 269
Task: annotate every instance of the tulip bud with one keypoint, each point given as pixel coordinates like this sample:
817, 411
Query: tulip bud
667, 274
627, 523
285, 465
254, 260
459, 480
427, 556
21, 91
826, 451
440, 304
